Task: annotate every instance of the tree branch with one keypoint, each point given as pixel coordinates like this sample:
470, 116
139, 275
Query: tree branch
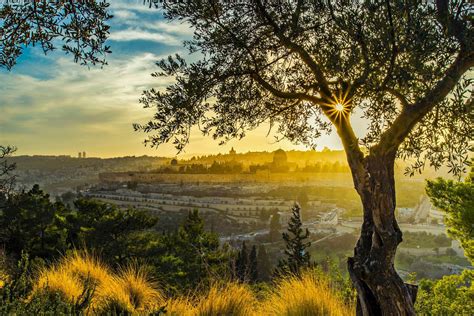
393, 39
315, 68
452, 25
296, 16
284, 94
404, 123
404, 102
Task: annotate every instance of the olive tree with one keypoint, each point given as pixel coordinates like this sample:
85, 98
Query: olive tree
306, 66
80, 27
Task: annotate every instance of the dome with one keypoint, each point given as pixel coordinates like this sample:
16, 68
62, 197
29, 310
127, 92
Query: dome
279, 157
174, 162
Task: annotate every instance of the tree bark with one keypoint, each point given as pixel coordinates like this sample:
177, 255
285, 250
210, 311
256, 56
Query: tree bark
380, 289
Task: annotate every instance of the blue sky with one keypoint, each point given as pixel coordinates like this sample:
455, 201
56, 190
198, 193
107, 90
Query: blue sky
50, 105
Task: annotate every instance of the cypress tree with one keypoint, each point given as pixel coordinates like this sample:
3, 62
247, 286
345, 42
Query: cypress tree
297, 256
264, 267
253, 265
275, 227
241, 264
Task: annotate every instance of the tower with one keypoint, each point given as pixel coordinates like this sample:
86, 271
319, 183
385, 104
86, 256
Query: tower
83, 154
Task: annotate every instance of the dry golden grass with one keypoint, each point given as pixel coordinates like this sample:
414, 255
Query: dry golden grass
227, 299
131, 291
309, 296
136, 290
86, 267
180, 306
58, 280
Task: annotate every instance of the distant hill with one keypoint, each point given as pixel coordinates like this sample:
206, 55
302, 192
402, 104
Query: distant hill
301, 158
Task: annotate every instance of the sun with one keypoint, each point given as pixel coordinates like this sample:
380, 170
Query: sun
339, 106
339, 109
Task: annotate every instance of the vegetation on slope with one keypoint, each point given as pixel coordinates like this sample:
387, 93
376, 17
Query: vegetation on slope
81, 283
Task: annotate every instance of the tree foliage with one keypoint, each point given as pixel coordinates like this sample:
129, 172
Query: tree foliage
7, 179
289, 62
456, 199
116, 234
275, 227
246, 264
297, 255
451, 295
80, 26
191, 257
264, 267
305, 67
242, 263
30, 222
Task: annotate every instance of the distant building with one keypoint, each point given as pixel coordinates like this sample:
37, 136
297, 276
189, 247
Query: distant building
79, 155
232, 151
422, 210
329, 219
280, 161
83, 154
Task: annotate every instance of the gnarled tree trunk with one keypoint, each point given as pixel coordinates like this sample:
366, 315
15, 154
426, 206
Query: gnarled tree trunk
380, 289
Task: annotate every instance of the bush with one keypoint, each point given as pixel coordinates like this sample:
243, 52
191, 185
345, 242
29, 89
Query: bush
452, 295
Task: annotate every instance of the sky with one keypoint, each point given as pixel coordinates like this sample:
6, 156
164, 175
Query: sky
51, 106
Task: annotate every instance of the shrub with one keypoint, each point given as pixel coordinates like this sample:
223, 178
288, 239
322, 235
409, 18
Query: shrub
451, 295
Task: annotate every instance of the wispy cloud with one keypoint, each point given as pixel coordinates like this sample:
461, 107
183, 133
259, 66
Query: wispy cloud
135, 34
175, 27
125, 15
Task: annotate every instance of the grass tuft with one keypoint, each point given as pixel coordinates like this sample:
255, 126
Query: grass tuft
57, 280
181, 306
228, 299
142, 294
131, 291
309, 295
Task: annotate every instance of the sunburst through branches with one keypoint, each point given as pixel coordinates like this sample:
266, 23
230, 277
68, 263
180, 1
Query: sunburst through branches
339, 107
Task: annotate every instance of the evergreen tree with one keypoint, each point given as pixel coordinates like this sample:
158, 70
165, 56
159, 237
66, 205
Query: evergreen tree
30, 222
264, 267
296, 245
197, 248
303, 201
253, 265
456, 199
115, 233
242, 263
275, 227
